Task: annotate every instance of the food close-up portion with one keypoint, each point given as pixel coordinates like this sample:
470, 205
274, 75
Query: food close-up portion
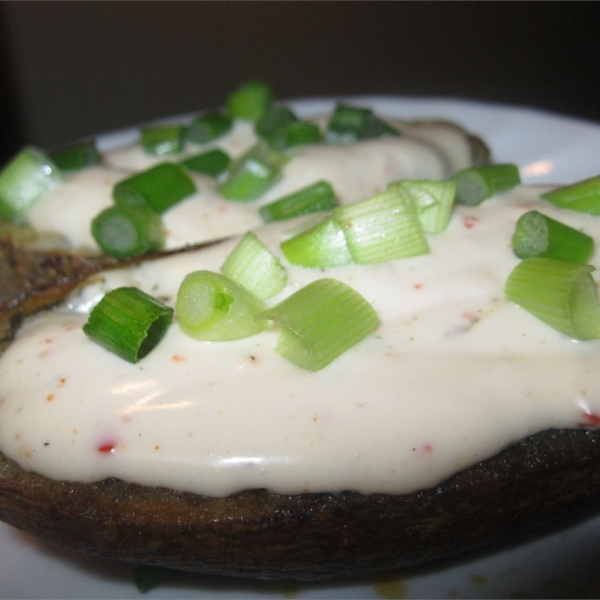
296, 341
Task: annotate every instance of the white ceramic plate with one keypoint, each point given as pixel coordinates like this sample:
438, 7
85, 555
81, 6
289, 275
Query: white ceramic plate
548, 149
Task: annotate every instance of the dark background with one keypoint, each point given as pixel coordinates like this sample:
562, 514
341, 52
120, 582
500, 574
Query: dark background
73, 69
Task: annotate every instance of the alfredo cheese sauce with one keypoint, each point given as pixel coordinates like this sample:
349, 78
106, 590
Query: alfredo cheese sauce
452, 374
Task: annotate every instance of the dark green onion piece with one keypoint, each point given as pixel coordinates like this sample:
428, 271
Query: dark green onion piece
301, 133
349, 124
163, 139
125, 231
213, 163
321, 321
252, 174
583, 196
539, 235
77, 156
255, 267
208, 127
323, 245
476, 184
559, 293
128, 322
274, 119
24, 180
384, 227
313, 198
213, 308
158, 188
251, 101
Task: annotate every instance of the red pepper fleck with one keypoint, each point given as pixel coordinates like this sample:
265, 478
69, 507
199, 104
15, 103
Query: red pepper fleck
418, 286
589, 419
49, 397
428, 449
106, 448
177, 358
470, 222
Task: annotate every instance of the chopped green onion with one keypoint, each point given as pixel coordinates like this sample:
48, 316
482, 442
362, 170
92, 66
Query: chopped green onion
124, 231
274, 119
539, 235
476, 184
213, 308
559, 293
252, 174
214, 162
349, 124
254, 266
128, 322
321, 321
323, 245
208, 127
163, 139
250, 101
384, 227
24, 180
76, 157
433, 200
159, 187
583, 196
313, 198
296, 134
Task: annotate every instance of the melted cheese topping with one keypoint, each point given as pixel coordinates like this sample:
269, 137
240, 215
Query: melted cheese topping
453, 374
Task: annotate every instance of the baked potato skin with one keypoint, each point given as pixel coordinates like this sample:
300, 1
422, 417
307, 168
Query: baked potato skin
540, 480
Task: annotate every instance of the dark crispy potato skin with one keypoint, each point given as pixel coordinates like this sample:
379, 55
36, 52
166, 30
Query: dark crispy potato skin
537, 481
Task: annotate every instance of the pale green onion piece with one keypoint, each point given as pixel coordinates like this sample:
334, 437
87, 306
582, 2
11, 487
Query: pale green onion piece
250, 101
213, 308
539, 235
322, 245
255, 267
252, 174
381, 228
583, 196
208, 127
559, 293
24, 180
313, 198
321, 321
433, 200
476, 184
128, 322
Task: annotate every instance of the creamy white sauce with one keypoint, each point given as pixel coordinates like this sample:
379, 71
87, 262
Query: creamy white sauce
453, 374
355, 172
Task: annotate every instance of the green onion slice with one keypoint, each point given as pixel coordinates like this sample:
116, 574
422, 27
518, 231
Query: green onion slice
77, 156
349, 124
128, 322
476, 184
213, 163
302, 133
322, 245
384, 227
252, 174
433, 200
539, 235
321, 321
158, 188
559, 293
213, 308
208, 127
24, 180
583, 196
255, 267
163, 139
125, 231
250, 101
274, 119
313, 198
